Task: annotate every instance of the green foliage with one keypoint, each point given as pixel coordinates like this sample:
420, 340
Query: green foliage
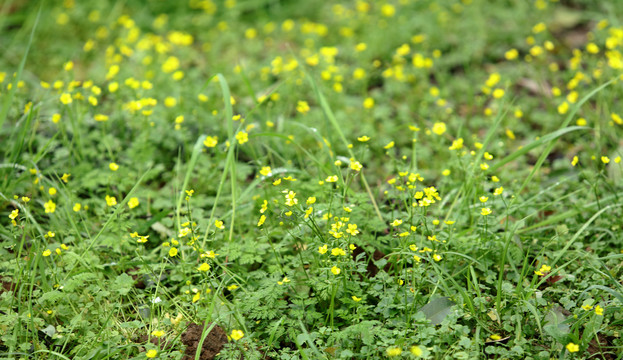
317, 180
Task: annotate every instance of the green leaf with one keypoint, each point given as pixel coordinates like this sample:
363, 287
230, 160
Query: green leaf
555, 326
49, 330
437, 309
123, 284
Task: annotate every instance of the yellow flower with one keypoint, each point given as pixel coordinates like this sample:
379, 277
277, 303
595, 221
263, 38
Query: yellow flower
14, 214
113, 166
290, 198
237, 334
151, 353
415, 350
113, 86
331, 179
77, 207
511, 54
393, 351
483, 198
170, 101
170, 64
543, 270
605, 159
456, 144
157, 333
352, 229
485, 211
356, 165
592, 48
335, 270
172, 252
66, 98
133, 202
111, 200
563, 108
356, 299
498, 93
49, 206
439, 128
302, 107
197, 297
575, 160
262, 220
396, 222
571, 347
47, 252
389, 145
323, 249
266, 171
242, 137
338, 252
368, 103
599, 310
363, 138
204, 267
388, 10
498, 191
209, 254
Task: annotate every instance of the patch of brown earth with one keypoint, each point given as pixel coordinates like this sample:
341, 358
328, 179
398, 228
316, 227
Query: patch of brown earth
212, 345
602, 347
371, 267
7, 285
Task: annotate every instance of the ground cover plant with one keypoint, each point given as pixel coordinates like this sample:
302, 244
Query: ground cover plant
311, 180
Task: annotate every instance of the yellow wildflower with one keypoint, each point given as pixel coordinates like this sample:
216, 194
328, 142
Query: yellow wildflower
237, 334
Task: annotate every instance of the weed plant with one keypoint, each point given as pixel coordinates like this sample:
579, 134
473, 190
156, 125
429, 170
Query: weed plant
311, 180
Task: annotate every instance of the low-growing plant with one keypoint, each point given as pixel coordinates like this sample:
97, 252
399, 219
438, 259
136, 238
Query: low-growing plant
287, 180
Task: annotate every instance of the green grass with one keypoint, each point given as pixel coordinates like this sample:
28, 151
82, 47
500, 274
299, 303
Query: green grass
358, 180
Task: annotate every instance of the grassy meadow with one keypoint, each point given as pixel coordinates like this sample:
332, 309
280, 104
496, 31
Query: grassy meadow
281, 179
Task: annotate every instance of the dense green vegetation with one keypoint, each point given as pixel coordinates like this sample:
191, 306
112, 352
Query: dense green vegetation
278, 179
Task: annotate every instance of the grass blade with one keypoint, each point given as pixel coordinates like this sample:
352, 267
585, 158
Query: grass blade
336, 126
8, 99
552, 142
